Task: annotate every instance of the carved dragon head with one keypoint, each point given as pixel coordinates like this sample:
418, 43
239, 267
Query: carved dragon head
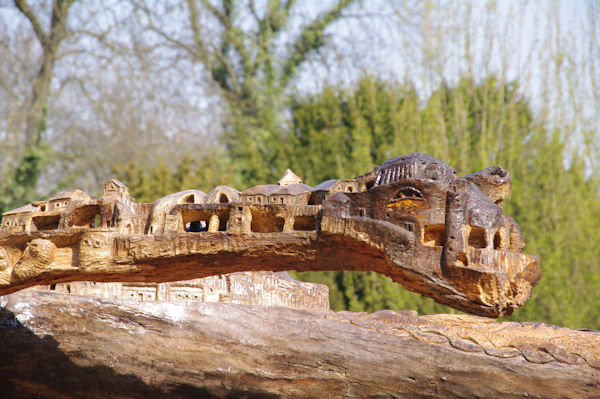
446, 236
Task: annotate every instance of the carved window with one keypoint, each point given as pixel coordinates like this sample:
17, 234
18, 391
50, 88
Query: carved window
477, 237
305, 223
432, 172
46, 222
498, 240
196, 226
408, 193
407, 200
189, 199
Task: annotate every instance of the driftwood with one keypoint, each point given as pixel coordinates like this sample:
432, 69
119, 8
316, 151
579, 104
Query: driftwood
411, 219
65, 346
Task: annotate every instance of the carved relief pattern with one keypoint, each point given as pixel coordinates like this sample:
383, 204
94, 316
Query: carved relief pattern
534, 342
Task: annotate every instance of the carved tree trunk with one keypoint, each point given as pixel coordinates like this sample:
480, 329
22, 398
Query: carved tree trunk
61, 346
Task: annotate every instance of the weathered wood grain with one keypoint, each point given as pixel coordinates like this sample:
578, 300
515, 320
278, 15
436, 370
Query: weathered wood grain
62, 346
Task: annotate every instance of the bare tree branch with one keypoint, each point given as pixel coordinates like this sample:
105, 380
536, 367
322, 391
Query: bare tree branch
310, 39
23, 6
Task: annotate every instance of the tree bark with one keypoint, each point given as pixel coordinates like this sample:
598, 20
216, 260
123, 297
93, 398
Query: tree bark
50, 40
61, 346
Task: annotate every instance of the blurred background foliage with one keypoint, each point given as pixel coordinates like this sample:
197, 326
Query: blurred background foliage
172, 95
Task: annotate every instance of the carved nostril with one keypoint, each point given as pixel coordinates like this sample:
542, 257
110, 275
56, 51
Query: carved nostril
497, 172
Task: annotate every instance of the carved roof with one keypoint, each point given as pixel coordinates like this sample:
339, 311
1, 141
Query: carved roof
414, 166
265, 189
214, 196
326, 185
200, 195
21, 209
116, 183
288, 178
72, 195
294, 189
273, 189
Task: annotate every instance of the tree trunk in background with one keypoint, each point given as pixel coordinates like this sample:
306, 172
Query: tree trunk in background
61, 346
50, 40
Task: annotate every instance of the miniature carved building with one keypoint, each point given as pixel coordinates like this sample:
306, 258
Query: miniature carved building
411, 219
247, 288
251, 288
45, 215
290, 191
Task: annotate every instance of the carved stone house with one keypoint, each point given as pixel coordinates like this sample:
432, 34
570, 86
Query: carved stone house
19, 220
289, 191
330, 187
248, 288
120, 210
162, 207
46, 215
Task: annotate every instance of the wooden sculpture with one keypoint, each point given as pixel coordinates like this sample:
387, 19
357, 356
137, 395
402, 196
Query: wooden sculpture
411, 219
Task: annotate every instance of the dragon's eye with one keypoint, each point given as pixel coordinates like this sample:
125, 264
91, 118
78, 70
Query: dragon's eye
408, 200
408, 193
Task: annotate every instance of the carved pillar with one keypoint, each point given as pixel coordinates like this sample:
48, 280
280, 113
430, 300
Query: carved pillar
454, 245
172, 223
288, 224
239, 220
213, 223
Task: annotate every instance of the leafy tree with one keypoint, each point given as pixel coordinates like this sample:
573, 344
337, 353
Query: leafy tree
204, 174
251, 54
345, 133
19, 182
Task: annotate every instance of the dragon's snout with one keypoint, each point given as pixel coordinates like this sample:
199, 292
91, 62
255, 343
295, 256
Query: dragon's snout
494, 182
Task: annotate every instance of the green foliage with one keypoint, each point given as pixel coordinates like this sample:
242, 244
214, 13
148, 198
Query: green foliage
253, 70
18, 186
211, 169
344, 133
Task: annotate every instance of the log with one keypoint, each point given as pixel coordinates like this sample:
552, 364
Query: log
66, 346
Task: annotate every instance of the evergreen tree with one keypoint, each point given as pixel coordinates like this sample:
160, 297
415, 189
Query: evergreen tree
212, 169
